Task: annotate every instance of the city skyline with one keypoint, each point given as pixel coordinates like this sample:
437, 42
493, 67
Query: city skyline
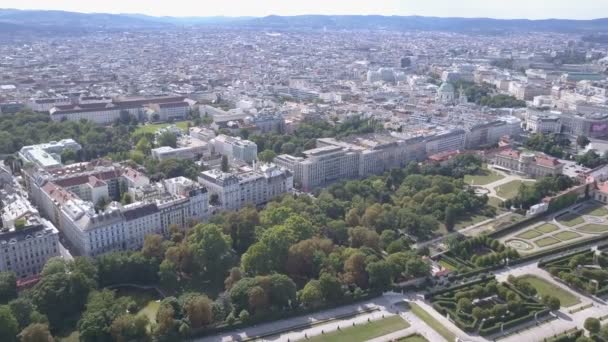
515, 9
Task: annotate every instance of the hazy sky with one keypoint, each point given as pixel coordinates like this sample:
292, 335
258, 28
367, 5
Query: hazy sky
533, 9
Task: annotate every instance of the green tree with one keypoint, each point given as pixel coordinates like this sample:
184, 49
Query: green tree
25, 312
8, 286
36, 332
63, 289
167, 139
198, 310
330, 287
582, 141
8, 325
128, 328
101, 310
464, 305
143, 146
211, 251
311, 295
552, 302
450, 218
380, 274
167, 273
267, 156
592, 325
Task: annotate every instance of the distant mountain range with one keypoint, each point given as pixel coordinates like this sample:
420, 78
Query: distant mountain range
12, 20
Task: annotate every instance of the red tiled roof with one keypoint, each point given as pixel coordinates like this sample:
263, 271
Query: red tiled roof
509, 153
547, 161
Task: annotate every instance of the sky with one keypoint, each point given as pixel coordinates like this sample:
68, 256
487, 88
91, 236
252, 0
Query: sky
530, 9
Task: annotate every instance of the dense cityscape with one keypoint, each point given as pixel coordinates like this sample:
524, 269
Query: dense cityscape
242, 182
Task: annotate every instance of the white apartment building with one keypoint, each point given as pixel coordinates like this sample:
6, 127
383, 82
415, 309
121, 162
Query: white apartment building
321, 166
44, 105
48, 155
234, 148
235, 190
444, 142
488, 134
187, 148
25, 250
167, 108
67, 197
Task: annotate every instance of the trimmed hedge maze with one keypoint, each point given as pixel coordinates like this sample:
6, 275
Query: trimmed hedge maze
476, 253
586, 271
484, 307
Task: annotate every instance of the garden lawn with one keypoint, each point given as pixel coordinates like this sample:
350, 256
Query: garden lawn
73, 337
152, 128
470, 220
595, 211
529, 234
447, 265
413, 338
570, 220
547, 228
486, 177
546, 241
150, 310
593, 228
509, 190
432, 322
544, 288
565, 236
364, 332
494, 202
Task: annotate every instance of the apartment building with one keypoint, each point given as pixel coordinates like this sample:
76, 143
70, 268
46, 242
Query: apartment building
488, 134
69, 197
153, 109
187, 148
446, 141
27, 241
25, 249
593, 123
247, 186
48, 155
234, 148
45, 104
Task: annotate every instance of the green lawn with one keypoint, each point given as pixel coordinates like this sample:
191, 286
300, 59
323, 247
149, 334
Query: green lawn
447, 265
469, 221
509, 190
567, 235
73, 337
593, 228
150, 310
529, 234
547, 228
546, 241
495, 202
570, 220
413, 338
152, 128
544, 288
432, 322
364, 332
595, 211
486, 177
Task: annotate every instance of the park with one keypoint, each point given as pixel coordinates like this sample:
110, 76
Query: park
487, 307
